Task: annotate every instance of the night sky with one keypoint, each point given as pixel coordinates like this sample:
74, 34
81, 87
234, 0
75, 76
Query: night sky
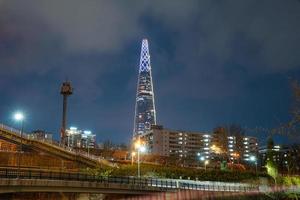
213, 62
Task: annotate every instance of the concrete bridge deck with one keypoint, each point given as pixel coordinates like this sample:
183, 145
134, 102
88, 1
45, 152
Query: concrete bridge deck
14, 136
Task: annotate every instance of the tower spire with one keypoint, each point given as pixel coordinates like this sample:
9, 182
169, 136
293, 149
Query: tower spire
145, 114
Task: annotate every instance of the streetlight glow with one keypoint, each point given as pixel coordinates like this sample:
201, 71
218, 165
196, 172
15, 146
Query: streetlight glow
142, 149
18, 116
252, 158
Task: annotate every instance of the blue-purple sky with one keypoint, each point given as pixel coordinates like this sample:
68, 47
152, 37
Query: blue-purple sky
214, 62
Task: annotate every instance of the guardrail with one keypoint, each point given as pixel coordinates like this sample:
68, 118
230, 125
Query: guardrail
53, 143
163, 184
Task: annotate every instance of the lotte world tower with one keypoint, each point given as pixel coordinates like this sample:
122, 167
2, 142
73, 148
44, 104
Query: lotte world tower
145, 114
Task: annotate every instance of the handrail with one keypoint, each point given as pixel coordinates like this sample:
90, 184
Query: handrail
136, 182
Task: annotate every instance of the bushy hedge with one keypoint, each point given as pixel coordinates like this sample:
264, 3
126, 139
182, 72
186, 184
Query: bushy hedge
290, 180
157, 171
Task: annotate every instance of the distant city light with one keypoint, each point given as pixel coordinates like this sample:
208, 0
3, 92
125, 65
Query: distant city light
73, 128
87, 132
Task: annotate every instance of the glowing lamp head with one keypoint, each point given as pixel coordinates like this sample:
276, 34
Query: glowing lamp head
132, 154
19, 116
202, 158
206, 162
142, 149
137, 144
252, 158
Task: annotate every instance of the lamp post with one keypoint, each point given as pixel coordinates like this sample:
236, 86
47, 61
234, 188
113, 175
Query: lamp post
202, 158
254, 159
18, 116
206, 163
140, 148
132, 157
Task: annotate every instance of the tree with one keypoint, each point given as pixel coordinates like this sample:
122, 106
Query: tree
219, 138
272, 168
295, 111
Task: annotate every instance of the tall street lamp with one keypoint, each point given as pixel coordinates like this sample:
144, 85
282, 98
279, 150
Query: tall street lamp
139, 148
254, 159
132, 157
206, 163
18, 116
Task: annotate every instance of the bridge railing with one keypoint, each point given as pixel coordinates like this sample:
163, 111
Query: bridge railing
53, 143
135, 182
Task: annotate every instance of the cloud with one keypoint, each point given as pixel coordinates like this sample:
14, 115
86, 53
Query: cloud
85, 25
220, 45
199, 49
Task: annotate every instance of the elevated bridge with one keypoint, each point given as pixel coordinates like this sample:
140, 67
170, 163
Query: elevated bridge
14, 136
13, 181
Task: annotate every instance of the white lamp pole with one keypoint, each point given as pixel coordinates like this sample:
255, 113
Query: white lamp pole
139, 167
139, 148
18, 116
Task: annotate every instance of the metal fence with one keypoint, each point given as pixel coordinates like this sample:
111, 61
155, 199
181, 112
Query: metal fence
164, 184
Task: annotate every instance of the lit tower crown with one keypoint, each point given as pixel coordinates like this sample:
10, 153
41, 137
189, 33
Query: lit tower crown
145, 114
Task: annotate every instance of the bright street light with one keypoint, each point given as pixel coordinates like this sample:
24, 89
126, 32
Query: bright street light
254, 159
142, 149
19, 116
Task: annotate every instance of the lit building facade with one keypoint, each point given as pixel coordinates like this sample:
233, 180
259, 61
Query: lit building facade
145, 114
250, 148
185, 145
286, 157
196, 146
80, 139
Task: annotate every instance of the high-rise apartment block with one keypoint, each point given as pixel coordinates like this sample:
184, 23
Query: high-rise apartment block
184, 144
80, 139
197, 146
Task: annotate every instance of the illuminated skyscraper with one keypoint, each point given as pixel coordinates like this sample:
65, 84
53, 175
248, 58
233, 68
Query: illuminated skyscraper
145, 114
